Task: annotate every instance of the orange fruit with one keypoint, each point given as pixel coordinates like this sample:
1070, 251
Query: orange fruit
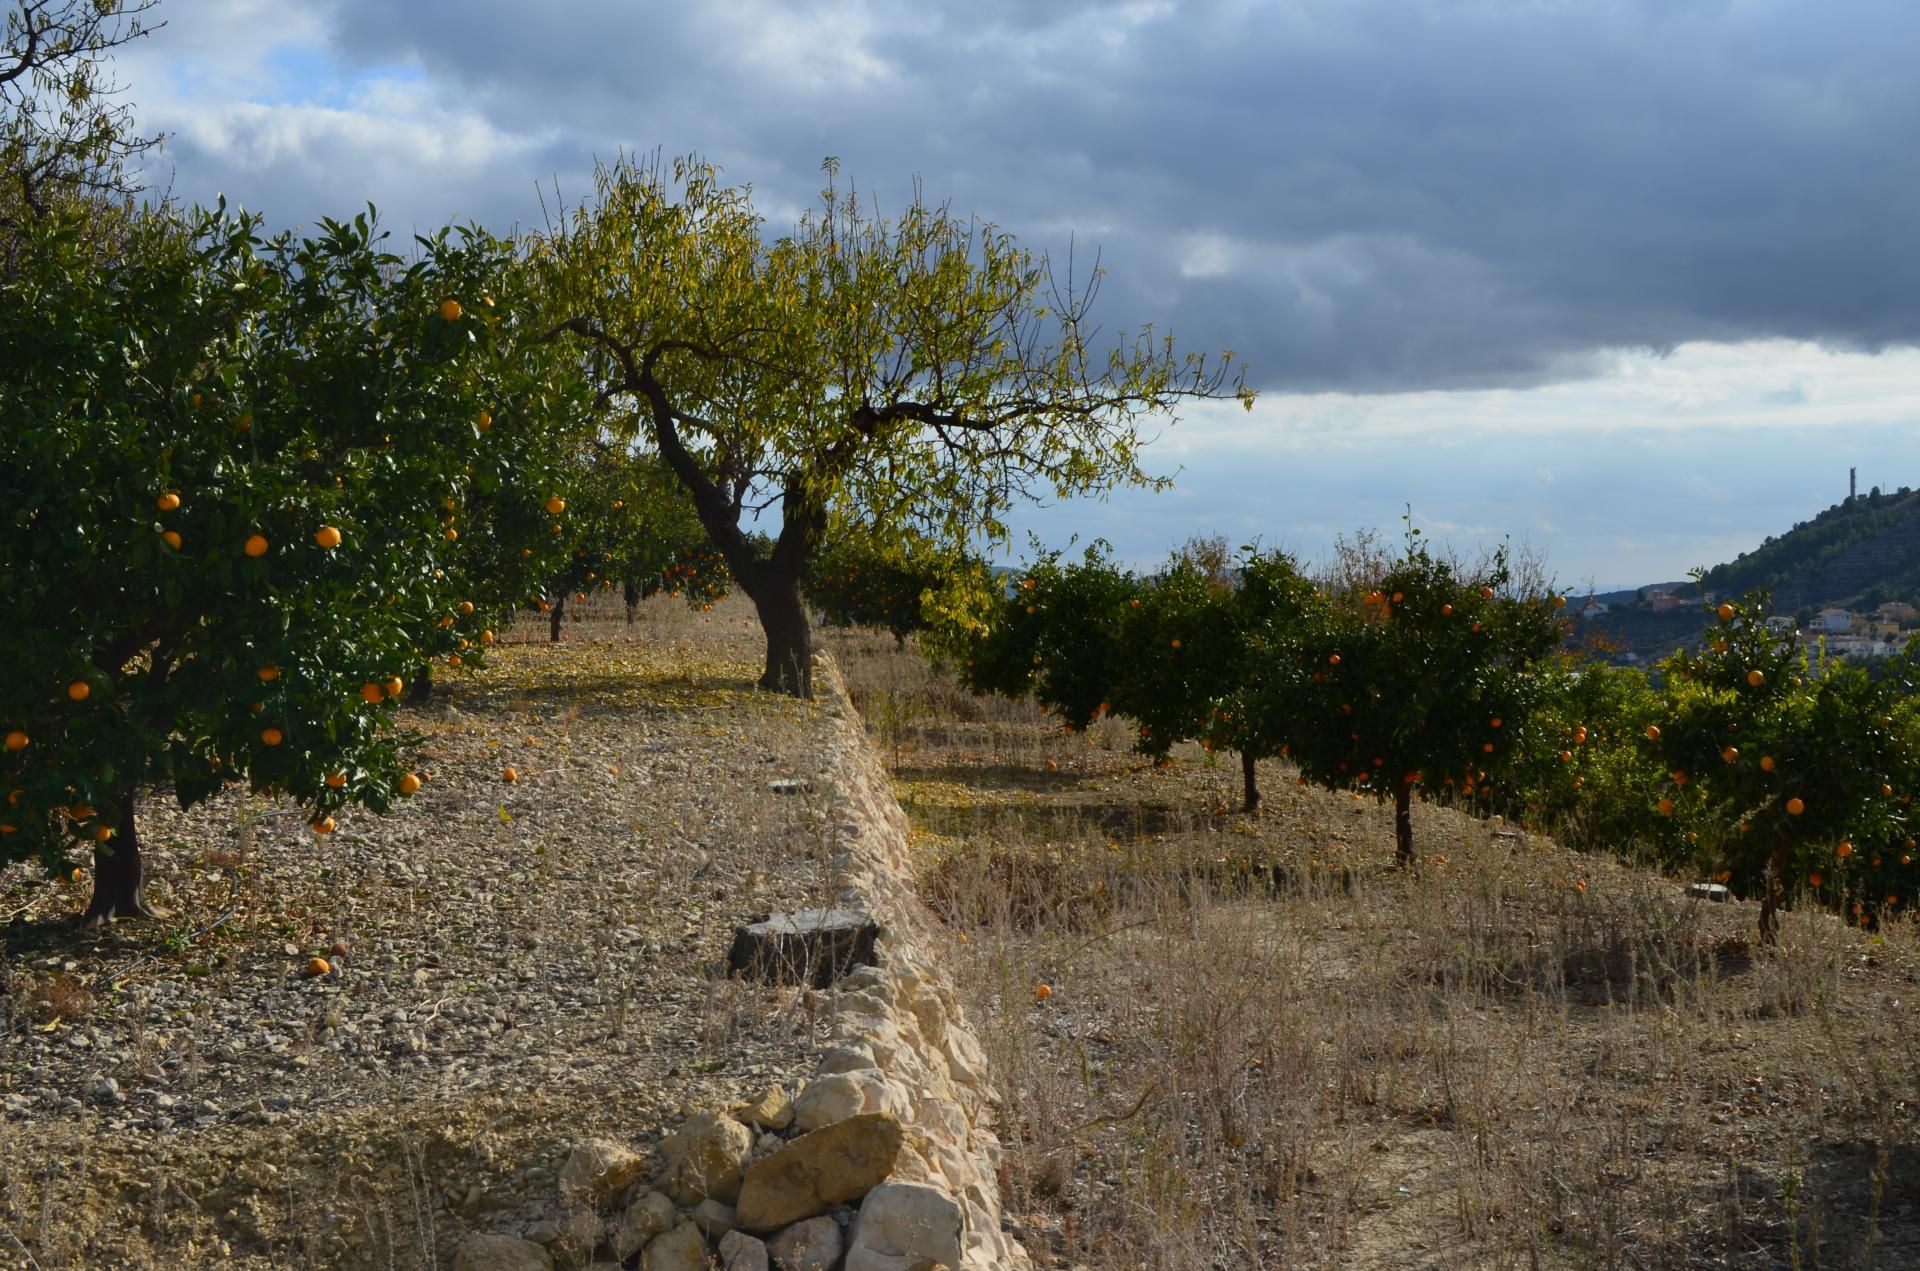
1720, 646
1446, 611
167, 502
1486, 593
318, 966
395, 686
324, 825
373, 693
556, 505
409, 784
272, 736
1666, 807
1042, 991
257, 707
1333, 659
486, 637
171, 538
483, 421
256, 545
466, 606
450, 311
1766, 763
510, 776
1755, 678
16, 740
1653, 732
1844, 850
452, 534
453, 659
1176, 642
268, 674
1814, 878
79, 690
336, 779
1566, 756
1488, 747
327, 536
1726, 612
1559, 602
1795, 807
1494, 722
1731, 754
1680, 778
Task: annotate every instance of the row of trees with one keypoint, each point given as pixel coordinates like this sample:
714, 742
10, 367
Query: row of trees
1749, 760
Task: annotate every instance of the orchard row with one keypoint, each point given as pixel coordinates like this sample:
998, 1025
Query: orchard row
1747, 761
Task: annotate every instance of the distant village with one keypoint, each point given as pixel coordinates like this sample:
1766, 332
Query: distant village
1856, 636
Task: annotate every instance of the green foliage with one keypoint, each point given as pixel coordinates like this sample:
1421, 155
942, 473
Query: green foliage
627, 521
914, 375
1425, 677
211, 390
1804, 768
1056, 636
855, 580
1795, 559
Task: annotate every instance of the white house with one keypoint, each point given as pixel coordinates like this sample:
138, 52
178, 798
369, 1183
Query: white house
1833, 622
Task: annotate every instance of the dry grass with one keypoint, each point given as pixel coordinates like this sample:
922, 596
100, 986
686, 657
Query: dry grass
1265, 1047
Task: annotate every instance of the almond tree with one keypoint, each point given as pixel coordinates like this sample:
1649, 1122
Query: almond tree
922, 374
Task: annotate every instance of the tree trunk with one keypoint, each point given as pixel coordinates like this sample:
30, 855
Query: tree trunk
554, 616
631, 590
1775, 892
1403, 824
421, 690
119, 887
783, 616
1251, 802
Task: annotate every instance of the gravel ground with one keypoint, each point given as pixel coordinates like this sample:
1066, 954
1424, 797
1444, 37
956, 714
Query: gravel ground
514, 965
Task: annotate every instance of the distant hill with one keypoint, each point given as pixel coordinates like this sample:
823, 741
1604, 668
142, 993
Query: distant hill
1856, 554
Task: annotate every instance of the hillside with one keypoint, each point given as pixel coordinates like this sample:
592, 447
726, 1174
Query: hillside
1857, 553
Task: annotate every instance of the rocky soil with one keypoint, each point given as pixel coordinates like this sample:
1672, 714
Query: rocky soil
514, 968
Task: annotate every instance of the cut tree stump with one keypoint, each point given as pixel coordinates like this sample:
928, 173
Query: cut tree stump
810, 946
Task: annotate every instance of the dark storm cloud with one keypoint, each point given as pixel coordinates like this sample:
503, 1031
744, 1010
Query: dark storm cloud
1354, 194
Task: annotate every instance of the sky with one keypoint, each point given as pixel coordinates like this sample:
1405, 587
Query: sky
1627, 283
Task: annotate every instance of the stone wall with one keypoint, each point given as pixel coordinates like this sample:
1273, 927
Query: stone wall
927, 1063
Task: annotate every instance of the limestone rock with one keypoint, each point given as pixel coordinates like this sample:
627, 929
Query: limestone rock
813, 1245
741, 1252
842, 1162
904, 1226
840, 1095
648, 1216
597, 1170
713, 1218
705, 1157
847, 1058
500, 1253
682, 1249
771, 1111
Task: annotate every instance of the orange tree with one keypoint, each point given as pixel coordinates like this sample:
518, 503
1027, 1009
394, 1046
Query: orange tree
1803, 767
1054, 636
1188, 669
1423, 676
224, 471
627, 521
1584, 771
919, 374
856, 580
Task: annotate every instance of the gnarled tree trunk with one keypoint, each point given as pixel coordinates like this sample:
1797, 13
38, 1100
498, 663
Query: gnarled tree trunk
119, 885
783, 617
631, 590
1251, 803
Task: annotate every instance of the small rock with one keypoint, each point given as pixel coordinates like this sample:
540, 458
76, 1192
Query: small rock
790, 785
648, 1216
1709, 891
597, 1170
106, 1090
705, 1157
500, 1253
682, 1249
813, 1245
842, 1162
713, 1218
904, 1226
771, 1111
741, 1252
